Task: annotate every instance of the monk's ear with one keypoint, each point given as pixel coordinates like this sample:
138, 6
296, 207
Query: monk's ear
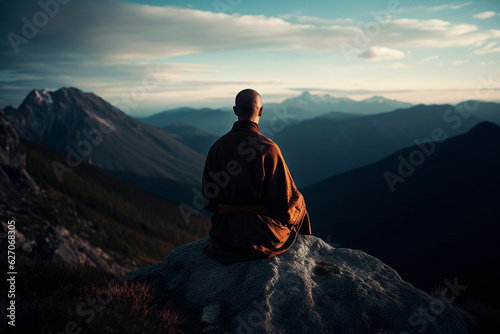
260, 111
234, 110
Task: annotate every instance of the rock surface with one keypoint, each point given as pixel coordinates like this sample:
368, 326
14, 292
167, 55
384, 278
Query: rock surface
312, 288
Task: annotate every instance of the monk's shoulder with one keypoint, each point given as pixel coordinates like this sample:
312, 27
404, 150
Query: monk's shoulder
270, 147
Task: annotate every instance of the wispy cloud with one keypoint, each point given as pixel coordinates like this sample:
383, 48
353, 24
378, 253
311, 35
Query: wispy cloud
449, 6
492, 47
452, 6
112, 49
484, 15
316, 20
376, 53
428, 59
125, 33
460, 62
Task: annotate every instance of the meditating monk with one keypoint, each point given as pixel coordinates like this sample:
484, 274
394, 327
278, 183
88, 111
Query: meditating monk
257, 209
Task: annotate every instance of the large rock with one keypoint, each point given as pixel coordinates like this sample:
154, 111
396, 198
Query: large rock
312, 288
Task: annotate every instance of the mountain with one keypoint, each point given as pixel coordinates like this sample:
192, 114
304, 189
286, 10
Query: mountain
316, 105
319, 148
193, 137
91, 217
338, 116
211, 120
87, 128
485, 110
429, 211
292, 110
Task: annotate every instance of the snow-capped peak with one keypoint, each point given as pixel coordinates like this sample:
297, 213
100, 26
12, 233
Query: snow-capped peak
44, 95
377, 99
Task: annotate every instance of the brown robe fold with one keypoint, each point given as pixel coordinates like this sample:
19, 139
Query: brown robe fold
257, 209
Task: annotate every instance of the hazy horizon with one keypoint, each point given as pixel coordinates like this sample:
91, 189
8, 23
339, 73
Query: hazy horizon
143, 113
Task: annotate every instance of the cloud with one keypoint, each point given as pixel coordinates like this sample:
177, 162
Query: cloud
452, 6
428, 59
436, 33
376, 53
460, 62
489, 48
317, 20
484, 15
108, 43
123, 33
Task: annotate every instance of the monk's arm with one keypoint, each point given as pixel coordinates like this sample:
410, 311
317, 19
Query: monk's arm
281, 196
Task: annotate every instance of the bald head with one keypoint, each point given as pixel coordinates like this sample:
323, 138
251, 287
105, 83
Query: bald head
248, 105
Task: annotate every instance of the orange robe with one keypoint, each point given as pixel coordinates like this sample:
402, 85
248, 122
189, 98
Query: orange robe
257, 209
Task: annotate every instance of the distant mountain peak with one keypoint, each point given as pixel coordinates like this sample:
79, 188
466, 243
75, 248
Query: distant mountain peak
316, 105
377, 99
307, 97
46, 95
327, 98
43, 95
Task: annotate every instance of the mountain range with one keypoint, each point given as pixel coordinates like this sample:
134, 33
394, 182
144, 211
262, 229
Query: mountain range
316, 105
321, 136
430, 211
167, 158
292, 110
319, 148
364, 189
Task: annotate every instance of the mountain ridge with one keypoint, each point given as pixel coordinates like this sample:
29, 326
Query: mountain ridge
332, 147
445, 202
87, 128
301, 107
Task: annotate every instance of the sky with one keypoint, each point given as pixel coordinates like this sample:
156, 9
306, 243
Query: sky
145, 56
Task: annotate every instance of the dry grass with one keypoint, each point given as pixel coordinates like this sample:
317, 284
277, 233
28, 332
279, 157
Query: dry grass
54, 296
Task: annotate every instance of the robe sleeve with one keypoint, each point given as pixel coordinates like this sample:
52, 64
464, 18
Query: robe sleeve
284, 202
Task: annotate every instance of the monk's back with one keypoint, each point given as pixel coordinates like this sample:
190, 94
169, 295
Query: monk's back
237, 165
257, 209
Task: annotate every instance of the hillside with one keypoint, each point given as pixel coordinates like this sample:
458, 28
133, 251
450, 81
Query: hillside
196, 138
91, 211
88, 129
212, 120
440, 221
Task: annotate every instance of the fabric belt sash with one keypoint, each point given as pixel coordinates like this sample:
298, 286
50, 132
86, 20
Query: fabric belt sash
226, 209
